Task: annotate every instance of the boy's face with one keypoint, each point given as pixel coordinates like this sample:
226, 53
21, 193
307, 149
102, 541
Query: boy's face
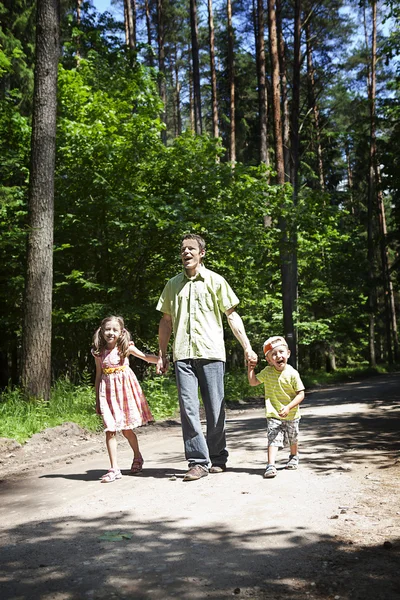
278, 357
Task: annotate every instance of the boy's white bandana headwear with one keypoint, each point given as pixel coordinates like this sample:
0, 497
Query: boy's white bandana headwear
273, 342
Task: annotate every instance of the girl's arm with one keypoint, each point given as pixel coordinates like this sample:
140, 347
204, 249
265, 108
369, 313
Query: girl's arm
299, 397
150, 358
251, 375
97, 383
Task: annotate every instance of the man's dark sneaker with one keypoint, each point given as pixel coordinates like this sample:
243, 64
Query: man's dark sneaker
218, 469
195, 472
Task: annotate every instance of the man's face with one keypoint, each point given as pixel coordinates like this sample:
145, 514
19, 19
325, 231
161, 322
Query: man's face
191, 256
278, 357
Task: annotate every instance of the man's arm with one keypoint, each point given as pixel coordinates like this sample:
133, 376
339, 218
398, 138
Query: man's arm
164, 335
237, 326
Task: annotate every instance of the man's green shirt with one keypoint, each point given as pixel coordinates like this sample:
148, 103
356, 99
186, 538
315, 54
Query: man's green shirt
196, 305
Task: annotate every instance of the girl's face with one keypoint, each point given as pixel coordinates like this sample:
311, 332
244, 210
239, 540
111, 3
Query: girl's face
111, 332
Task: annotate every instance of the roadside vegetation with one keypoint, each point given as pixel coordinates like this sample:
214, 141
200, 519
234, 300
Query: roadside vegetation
20, 419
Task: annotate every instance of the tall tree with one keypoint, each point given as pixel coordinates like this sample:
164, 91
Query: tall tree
36, 355
231, 76
162, 81
214, 99
261, 77
195, 67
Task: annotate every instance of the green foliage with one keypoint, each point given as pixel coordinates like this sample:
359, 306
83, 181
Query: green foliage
20, 419
237, 387
162, 396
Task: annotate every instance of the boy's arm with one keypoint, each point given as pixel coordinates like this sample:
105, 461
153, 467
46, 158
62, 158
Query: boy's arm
299, 397
251, 375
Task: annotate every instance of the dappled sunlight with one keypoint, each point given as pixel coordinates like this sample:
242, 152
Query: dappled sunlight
72, 558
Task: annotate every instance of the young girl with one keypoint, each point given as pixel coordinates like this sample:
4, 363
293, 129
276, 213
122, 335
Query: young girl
119, 397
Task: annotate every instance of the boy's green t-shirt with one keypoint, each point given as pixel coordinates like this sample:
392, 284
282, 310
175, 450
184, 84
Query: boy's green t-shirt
280, 388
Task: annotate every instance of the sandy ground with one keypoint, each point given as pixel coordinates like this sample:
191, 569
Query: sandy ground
330, 530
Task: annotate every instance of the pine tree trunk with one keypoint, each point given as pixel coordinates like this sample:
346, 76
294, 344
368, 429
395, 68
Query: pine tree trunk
196, 68
36, 351
295, 139
129, 27
148, 28
287, 254
215, 128
371, 202
178, 114
313, 106
78, 23
276, 95
231, 76
284, 91
161, 65
261, 77
349, 176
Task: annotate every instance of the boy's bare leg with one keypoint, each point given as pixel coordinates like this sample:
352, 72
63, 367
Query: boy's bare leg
294, 449
272, 452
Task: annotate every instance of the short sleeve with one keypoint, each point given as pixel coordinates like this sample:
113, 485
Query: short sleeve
297, 383
164, 302
226, 296
262, 375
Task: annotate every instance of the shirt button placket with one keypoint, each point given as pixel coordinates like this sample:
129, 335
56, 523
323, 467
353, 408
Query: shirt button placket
192, 316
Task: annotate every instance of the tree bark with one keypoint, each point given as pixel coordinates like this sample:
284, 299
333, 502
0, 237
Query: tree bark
148, 28
287, 246
231, 77
389, 304
196, 68
313, 106
36, 350
276, 95
129, 24
161, 65
261, 77
371, 199
215, 127
284, 91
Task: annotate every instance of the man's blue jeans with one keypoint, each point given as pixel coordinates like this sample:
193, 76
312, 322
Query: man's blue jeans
208, 375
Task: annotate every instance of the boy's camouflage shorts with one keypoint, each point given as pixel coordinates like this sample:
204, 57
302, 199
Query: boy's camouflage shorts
282, 433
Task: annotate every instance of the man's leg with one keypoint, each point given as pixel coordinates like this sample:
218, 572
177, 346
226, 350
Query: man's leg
211, 380
196, 450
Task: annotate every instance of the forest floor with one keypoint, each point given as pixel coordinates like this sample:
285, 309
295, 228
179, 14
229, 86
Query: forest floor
328, 531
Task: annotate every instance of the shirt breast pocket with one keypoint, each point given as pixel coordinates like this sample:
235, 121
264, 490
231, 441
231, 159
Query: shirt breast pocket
205, 302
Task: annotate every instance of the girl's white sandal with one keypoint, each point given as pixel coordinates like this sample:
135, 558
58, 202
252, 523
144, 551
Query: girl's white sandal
111, 475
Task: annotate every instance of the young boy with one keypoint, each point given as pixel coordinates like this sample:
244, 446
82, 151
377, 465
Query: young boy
284, 391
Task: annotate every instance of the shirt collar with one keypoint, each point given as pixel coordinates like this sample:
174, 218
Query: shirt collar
202, 274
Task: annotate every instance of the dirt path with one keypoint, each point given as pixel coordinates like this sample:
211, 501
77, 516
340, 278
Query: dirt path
330, 530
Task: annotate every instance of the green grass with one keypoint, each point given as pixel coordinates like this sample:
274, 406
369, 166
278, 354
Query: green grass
20, 419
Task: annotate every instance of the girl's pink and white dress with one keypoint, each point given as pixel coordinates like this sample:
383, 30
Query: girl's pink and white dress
122, 402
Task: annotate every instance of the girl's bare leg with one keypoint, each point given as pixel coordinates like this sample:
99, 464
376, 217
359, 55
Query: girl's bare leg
133, 441
111, 443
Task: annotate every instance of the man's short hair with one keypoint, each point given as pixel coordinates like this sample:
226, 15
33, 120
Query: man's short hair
193, 236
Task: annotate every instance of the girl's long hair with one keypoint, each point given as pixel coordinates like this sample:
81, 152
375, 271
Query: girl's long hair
100, 344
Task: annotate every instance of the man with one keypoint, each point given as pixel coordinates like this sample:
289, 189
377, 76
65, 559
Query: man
192, 304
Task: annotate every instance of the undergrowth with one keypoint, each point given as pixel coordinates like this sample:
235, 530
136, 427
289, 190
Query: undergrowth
20, 419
